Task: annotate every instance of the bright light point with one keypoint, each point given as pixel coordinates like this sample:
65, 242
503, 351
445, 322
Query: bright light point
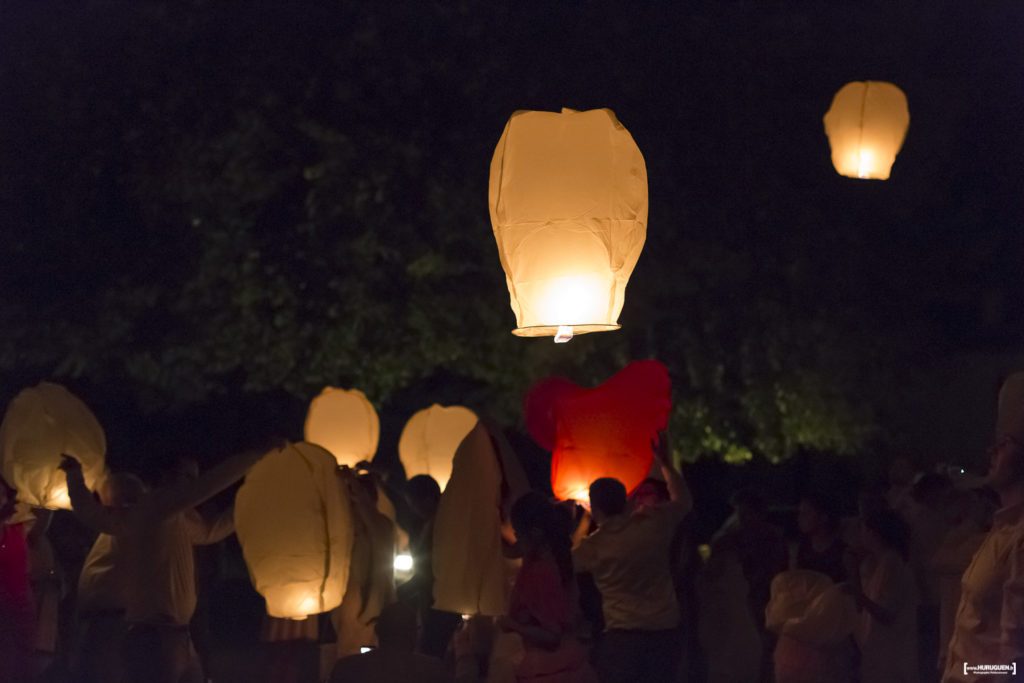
60, 499
564, 334
865, 163
308, 606
363, 650
575, 299
403, 563
465, 617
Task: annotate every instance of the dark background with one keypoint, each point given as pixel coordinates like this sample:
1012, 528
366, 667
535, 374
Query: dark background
211, 210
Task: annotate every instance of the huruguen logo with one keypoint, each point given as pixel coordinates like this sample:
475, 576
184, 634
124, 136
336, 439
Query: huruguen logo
990, 669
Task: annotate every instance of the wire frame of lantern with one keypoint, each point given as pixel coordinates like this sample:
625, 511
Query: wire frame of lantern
568, 204
866, 126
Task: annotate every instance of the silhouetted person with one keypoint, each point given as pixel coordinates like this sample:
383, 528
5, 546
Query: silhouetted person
971, 518
928, 517
762, 552
420, 498
821, 547
102, 592
395, 659
541, 606
883, 586
989, 625
158, 535
371, 576
628, 556
17, 612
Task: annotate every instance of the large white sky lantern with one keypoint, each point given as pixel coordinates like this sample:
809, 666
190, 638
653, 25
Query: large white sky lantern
345, 423
568, 200
431, 437
40, 424
295, 529
866, 125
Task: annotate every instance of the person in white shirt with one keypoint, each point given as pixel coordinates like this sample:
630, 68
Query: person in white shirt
989, 628
628, 556
158, 535
101, 592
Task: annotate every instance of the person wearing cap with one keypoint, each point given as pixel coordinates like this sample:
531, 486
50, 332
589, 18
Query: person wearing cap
989, 628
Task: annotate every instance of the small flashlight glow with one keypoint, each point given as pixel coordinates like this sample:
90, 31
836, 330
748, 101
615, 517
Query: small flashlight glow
403, 563
363, 650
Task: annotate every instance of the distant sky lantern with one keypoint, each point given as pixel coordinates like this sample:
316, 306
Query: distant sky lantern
430, 438
568, 200
601, 432
345, 423
40, 424
866, 125
295, 529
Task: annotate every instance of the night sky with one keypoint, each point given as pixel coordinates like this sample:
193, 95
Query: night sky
120, 122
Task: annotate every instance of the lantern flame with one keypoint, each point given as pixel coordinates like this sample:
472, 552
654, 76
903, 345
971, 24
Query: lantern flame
582, 496
864, 163
575, 298
564, 334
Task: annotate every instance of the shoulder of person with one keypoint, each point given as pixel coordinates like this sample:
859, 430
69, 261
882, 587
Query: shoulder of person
669, 509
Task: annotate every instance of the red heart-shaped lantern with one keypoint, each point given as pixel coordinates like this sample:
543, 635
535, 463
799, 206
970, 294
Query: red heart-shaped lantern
601, 432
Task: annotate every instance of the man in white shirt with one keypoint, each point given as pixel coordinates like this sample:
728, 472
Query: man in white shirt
156, 537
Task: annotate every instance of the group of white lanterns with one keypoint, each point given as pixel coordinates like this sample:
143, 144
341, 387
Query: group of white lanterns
298, 550
568, 202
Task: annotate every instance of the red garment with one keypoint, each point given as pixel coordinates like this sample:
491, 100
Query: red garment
17, 609
540, 598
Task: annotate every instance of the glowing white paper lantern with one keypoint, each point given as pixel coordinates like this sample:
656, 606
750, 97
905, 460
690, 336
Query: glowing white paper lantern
568, 201
295, 529
40, 424
430, 438
345, 423
866, 125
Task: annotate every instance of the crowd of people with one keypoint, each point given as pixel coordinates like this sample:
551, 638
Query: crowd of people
924, 583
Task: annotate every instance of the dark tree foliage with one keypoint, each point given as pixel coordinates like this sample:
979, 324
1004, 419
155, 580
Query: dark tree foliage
203, 200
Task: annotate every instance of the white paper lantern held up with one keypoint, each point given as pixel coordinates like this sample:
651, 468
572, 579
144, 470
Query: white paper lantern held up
40, 424
866, 125
295, 529
568, 203
430, 438
345, 423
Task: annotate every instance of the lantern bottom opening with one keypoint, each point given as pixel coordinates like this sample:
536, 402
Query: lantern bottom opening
552, 330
